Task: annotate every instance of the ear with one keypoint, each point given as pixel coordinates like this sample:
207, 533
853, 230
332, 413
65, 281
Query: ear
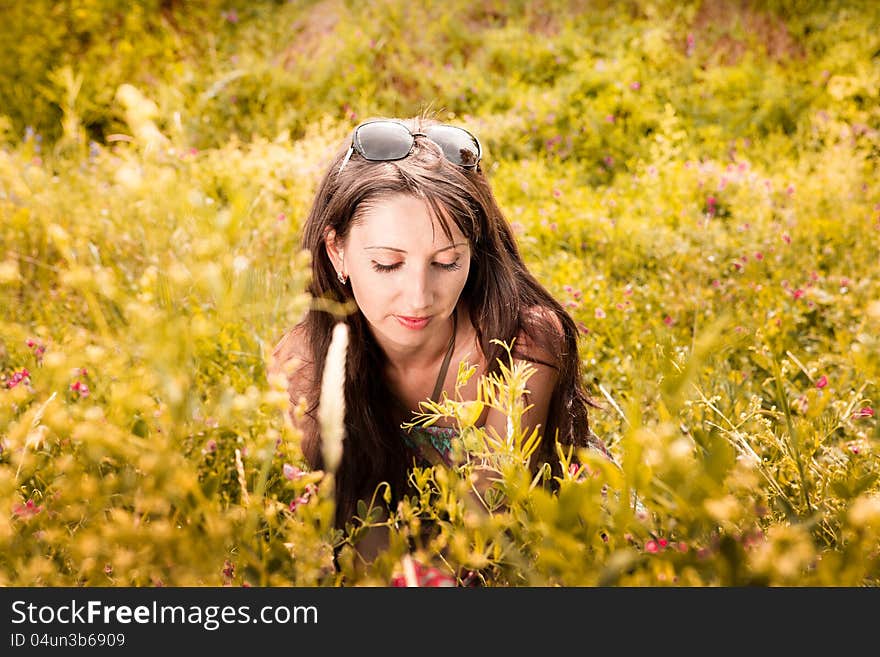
335, 250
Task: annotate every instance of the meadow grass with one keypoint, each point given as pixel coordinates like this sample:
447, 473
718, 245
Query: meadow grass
697, 185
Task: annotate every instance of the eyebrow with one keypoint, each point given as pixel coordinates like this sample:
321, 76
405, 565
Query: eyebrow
396, 250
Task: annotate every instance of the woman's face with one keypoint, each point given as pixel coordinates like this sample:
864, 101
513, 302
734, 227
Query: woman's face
405, 274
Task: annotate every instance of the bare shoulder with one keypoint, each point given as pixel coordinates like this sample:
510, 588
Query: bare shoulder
291, 358
546, 318
290, 354
540, 342
542, 337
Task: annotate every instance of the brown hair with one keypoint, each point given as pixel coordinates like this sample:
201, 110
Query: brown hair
499, 293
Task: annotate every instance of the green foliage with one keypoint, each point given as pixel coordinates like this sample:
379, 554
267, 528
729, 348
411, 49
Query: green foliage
695, 183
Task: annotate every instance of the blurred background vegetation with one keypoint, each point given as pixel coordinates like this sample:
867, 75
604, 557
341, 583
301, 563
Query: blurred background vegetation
696, 181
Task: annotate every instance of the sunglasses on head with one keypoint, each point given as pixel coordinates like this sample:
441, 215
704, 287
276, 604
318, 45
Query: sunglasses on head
386, 141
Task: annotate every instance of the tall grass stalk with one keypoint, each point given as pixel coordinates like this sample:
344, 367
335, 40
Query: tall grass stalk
331, 408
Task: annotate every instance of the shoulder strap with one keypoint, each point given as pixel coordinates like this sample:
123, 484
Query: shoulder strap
441, 376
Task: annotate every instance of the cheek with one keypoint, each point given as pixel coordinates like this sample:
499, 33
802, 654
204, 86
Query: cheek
463, 276
460, 283
369, 291
374, 292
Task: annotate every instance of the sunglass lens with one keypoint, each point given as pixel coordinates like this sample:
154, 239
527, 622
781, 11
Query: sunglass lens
459, 146
383, 140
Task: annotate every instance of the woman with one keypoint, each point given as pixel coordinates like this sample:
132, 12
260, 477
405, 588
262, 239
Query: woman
405, 225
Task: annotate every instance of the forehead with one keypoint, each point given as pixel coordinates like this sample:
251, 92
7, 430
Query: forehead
404, 222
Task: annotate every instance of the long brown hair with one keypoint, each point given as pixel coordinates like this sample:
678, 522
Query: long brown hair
499, 293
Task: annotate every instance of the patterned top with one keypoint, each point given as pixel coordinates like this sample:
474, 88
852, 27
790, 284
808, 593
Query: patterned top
431, 445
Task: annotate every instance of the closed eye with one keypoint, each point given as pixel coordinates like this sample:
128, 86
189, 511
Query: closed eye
451, 266
378, 266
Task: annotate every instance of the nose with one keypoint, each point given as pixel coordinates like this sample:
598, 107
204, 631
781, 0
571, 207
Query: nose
418, 291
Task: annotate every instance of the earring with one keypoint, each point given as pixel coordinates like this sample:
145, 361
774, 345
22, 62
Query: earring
339, 275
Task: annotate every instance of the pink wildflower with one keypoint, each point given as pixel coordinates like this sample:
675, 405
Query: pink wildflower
822, 382
865, 411
425, 576
311, 489
26, 510
80, 387
38, 349
651, 546
291, 472
22, 375
296, 502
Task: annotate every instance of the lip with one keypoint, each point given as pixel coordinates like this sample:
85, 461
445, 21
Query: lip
414, 323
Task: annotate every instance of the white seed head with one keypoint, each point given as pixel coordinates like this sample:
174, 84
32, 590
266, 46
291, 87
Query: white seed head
331, 409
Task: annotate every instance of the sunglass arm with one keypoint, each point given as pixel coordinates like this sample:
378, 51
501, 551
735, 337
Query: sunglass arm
345, 161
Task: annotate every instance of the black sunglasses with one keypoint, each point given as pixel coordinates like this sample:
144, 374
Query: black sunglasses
385, 141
